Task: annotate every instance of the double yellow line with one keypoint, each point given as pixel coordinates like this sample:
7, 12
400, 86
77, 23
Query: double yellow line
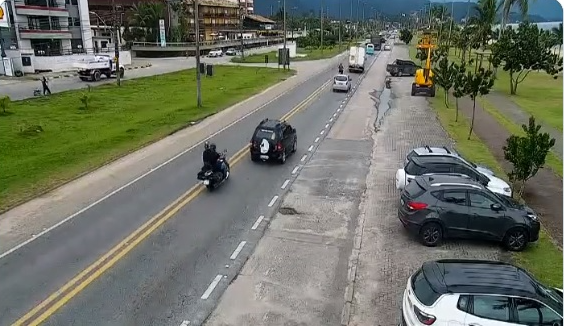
60, 297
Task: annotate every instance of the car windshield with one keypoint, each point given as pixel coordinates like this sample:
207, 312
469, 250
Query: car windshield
341, 78
265, 134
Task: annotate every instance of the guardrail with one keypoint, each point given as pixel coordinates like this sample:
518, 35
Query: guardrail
207, 43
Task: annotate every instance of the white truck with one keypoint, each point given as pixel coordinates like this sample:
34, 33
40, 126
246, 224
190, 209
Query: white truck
92, 68
357, 56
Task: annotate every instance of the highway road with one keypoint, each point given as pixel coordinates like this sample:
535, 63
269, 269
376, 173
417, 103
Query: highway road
137, 259
20, 90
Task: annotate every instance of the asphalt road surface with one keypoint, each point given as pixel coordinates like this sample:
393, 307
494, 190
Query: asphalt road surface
20, 90
165, 278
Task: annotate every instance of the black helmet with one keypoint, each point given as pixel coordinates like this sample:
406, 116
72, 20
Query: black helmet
212, 146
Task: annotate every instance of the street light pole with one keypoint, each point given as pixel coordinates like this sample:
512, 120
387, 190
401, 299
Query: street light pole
198, 73
340, 24
321, 27
116, 45
285, 33
241, 23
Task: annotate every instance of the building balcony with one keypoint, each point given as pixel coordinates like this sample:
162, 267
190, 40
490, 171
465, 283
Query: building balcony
41, 8
43, 31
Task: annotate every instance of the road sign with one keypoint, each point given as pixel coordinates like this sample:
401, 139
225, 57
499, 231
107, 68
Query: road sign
161, 32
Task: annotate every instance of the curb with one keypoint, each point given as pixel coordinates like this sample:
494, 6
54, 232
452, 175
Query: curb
67, 75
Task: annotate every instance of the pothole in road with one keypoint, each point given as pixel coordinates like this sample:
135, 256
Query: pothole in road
288, 211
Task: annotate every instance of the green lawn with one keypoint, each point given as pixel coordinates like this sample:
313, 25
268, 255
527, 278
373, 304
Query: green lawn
310, 54
50, 140
544, 258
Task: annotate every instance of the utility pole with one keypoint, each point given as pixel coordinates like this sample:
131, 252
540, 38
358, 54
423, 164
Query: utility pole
285, 34
198, 73
116, 43
241, 22
340, 24
321, 27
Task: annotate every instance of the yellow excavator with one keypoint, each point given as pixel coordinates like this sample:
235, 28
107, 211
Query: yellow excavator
424, 76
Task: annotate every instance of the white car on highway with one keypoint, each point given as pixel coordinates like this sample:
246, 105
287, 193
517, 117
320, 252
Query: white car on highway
342, 83
387, 47
215, 53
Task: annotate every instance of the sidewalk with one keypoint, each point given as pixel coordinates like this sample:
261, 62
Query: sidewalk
301, 268
518, 116
18, 224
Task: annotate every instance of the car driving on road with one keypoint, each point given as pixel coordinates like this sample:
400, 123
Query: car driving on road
231, 52
273, 140
478, 292
426, 164
387, 47
445, 206
342, 83
215, 53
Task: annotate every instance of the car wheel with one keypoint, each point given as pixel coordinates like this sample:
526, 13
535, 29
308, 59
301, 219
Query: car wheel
210, 187
431, 234
400, 74
283, 157
295, 146
516, 239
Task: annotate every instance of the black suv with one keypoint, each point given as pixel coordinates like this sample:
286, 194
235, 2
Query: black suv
440, 206
273, 140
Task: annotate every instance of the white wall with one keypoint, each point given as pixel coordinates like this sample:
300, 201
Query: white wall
65, 62
291, 46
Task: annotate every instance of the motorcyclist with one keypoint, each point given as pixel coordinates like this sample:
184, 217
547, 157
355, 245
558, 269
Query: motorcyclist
212, 158
341, 69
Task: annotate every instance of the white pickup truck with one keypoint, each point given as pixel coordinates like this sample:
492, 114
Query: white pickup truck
92, 68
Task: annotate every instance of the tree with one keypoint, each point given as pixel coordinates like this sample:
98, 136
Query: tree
483, 21
459, 84
558, 36
477, 84
5, 104
146, 16
444, 74
506, 6
522, 51
527, 153
405, 36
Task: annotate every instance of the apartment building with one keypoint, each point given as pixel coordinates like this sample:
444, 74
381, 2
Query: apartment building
48, 27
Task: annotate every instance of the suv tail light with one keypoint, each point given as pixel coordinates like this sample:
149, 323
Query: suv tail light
424, 318
279, 146
416, 206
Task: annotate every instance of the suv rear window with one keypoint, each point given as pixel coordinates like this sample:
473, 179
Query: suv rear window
423, 291
413, 169
265, 134
414, 189
341, 78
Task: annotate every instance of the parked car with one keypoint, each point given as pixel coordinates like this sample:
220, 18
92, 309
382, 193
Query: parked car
215, 53
400, 68
387, 47
231, 52
445, 206
444, 151
273, 140
342, 83
478, 292
419, 165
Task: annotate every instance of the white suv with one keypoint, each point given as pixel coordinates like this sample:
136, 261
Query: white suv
478, 293
215, 53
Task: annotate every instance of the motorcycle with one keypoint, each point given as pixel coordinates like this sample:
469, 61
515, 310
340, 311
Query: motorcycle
213, 179
341, 70
388, 82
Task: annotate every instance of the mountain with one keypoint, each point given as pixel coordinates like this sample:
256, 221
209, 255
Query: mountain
540, 10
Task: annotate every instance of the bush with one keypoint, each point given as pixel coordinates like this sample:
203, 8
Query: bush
85, 100
5, 104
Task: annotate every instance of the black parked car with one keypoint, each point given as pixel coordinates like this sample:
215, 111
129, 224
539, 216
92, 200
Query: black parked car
441, 206
273, 140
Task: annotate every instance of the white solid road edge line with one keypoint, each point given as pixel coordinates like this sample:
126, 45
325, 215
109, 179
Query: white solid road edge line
257, 223
310, 148
272, 201
212, 286
316, 140
327, 126
185, 323
285, 184
303, 158
295, 170
238, 250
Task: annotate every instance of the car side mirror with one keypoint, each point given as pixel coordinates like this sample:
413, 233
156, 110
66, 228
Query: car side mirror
496, 207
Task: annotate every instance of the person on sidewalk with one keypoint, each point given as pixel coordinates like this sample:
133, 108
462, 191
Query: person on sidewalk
45, 86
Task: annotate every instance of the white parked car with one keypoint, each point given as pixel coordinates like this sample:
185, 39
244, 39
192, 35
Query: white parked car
231, 52
433, 164
476, 292
387, 47
342, 83
215, 53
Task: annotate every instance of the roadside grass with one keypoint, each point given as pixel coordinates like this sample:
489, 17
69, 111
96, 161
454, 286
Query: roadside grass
552, 160
50, 140
310, 54
543, 258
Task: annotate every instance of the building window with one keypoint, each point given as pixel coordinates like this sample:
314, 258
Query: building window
46, 47
76, 45
73, 21
104, 44
38, 23
74, 2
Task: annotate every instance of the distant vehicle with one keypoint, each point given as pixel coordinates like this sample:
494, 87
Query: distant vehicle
419, 165
342, 83
357, 56
93, 68
370, 49
478, 292
231, 52
273, 140
438, 206
387, 47
400, 68
215, 53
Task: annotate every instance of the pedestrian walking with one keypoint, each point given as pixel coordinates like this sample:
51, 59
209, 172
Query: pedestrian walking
45, 86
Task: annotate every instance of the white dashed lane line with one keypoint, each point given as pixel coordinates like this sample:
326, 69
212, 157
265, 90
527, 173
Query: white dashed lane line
257, 222
285, 184
211, 287
272, 201
238, 250
326, 126
316, 140
310, 148
303, 158
295, 170
185, 323
322, 132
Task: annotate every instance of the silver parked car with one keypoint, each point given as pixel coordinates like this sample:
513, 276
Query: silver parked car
342, 83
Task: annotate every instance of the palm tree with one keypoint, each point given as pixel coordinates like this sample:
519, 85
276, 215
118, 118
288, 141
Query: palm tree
558, 36
483, 21
146, 15
507, 5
